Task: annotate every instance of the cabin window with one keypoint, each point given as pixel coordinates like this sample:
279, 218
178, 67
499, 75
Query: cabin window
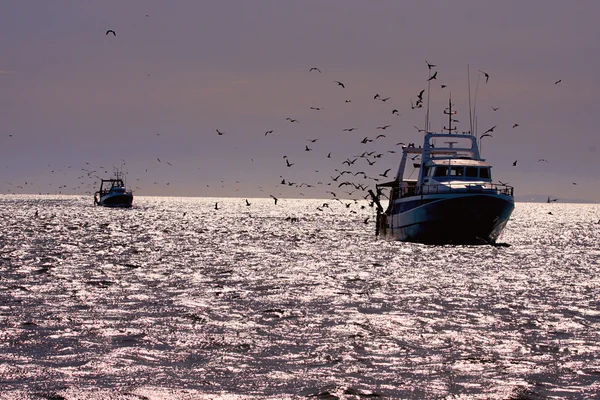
471, 172
426, 171
457, 171
484, 173
441, 171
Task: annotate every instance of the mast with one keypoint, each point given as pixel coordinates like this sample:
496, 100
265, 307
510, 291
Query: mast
470, 113
450, 114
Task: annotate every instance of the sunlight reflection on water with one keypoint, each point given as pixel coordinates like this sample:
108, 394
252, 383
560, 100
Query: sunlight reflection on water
174, 299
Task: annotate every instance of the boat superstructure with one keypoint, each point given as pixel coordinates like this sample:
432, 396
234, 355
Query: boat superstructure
113, 193
453, 200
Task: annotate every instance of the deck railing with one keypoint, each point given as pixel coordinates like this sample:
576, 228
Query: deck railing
452, 188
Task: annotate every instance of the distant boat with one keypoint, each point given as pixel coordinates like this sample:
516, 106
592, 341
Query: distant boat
453, 200
113, 193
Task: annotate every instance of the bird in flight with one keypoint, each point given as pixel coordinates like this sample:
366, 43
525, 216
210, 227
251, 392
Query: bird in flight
542, 160
420, 130
495, 108
515, 125
288, 163
340, 84
491, 129
348, 129
515, 163
484, 135
385, 99
316, 108
314, 69
558, 81
378, 136
434, 76
443, 86
219, 132
394, 111
383, 127
312, 140
385, 172
267, 132
274, 198
376, 96
429, 65
291, 119
247, 203
111, 31
487, 76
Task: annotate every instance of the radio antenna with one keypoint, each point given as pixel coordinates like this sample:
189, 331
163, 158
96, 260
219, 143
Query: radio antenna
469, 87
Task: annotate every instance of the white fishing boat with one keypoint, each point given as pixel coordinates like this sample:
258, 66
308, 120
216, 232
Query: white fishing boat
452, 201
113, 193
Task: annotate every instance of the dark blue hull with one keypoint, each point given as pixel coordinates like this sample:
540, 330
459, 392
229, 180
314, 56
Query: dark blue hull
450, 219
121, 200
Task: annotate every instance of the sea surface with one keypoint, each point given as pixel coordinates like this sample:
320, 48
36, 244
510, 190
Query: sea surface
174, 299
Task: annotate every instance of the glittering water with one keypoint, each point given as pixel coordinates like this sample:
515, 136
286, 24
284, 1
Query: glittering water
176, 300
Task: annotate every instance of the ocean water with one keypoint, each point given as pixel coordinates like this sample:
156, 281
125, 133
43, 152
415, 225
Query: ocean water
173, 299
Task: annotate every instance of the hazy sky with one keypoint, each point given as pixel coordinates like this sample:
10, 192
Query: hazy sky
178, 71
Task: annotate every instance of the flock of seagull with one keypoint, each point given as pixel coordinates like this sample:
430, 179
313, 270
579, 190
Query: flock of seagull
351, 182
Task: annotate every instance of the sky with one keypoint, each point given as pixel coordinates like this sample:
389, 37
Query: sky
75, 102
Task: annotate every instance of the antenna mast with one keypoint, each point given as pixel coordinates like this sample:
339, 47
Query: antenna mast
450, 114
470, 113
427, 113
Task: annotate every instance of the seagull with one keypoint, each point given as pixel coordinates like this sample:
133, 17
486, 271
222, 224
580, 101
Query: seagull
378, 136
291, 119
515, 125
443, 86
574, 183
312, 140
394, 111
348, 129
288, 163
217, 205
376, 96
267, 132
329, 155
487, 76
558, 81
219, 132
484, 135
515, 163
111, 31
314, 69
420, 130
385, 173
316, 108
420, 95
495, 108
542, 160
247, 203
340, 84
491, 129
503, 183
383, 127
274, 198
307, 149
429, 65
434, 76
386, 99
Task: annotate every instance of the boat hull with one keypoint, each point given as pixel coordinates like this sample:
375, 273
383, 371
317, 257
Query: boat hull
117, 200
449, 219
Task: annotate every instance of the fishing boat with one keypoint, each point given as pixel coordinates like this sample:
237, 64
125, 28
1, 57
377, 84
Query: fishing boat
113, 193
453, 200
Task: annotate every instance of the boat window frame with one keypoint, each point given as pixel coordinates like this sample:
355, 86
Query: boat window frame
488, 174
440, 168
